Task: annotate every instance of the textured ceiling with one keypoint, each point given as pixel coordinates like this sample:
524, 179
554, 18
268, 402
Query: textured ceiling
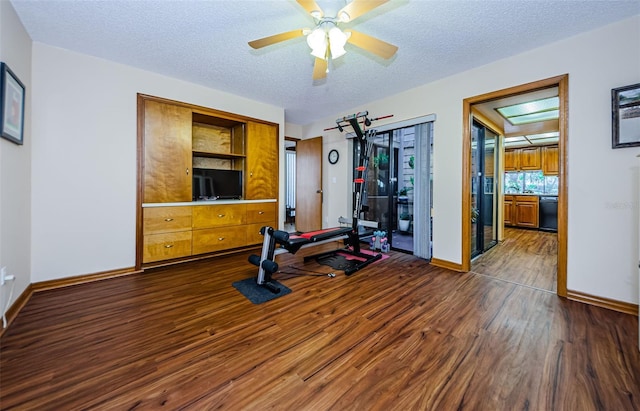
205, 42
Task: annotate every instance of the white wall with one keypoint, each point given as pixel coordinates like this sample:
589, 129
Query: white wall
84, 157
15, 163
602, 183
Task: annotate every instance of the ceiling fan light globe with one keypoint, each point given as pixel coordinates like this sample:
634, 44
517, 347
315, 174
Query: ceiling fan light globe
337, 52
337, 40
317, 39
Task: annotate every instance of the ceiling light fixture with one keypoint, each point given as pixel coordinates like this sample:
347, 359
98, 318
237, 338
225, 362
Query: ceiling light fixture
531, 111
327, 40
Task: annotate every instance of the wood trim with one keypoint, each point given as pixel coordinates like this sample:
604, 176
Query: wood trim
17, 305
82, 279
562, 82
563, 197
447, 264
480, 118
615, 305
206, 110
139, 182
467, 120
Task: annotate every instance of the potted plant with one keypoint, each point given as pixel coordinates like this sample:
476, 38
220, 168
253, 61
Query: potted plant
381, 161
404, 221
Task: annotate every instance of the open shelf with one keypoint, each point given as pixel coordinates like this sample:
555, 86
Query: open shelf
218, 155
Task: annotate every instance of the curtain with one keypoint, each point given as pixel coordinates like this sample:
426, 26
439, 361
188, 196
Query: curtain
290, 186
422, 191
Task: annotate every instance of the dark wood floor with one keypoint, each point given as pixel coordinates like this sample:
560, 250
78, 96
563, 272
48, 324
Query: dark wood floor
398, 335
527, 257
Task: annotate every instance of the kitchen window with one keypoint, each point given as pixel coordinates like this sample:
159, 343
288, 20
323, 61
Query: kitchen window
530, 182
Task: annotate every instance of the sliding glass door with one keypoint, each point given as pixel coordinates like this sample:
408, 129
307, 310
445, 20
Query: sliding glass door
484, 210
398, 187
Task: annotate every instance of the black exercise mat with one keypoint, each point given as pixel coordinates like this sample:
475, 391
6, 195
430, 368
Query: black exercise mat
338, 262
257, 294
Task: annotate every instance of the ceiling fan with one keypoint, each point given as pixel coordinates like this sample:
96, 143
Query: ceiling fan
327, 40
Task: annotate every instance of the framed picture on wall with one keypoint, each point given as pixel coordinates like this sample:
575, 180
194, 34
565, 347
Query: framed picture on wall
625, 116
11, 106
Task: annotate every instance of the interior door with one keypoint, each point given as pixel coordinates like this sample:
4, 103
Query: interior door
309, 184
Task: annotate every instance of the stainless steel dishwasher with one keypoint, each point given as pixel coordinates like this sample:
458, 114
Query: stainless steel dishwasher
548, 217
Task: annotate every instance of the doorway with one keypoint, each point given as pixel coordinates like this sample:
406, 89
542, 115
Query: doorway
561, 82
398, 188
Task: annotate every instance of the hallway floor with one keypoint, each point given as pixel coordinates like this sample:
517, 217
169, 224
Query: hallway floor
526, 257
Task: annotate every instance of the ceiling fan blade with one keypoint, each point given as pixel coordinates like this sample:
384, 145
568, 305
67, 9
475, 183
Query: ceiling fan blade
372, 44
312, 8
276, 38
319, 69
357, 8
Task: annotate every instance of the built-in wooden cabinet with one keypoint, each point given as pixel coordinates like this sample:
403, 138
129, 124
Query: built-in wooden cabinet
262, 154
173, 139
550, 160
521, 211
167, 233
167, 153
522, 159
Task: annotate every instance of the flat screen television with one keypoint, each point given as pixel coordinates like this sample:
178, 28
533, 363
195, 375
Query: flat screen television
209, 184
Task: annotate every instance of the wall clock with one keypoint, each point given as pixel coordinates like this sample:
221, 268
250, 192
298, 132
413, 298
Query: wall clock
333, 156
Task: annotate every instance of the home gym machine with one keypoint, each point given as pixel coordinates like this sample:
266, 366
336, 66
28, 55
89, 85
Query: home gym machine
279, 242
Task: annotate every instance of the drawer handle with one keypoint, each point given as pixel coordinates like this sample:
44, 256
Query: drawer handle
168, 219
168, 246
220, 215
220, 238
260, 212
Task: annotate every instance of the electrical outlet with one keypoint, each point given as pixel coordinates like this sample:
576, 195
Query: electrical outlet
3, 275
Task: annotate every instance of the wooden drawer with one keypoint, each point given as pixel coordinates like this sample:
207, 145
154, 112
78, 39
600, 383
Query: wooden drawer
166, 246
253, 232
218, 239
526, 199
219, 215
261, 213
166, 219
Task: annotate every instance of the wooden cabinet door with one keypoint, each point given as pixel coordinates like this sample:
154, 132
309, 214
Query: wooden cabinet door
261, 171
167, 153
530, 158
511, 160
550, 162
526, 213
508, 210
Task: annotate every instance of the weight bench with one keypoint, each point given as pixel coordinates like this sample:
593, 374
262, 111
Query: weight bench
279, 242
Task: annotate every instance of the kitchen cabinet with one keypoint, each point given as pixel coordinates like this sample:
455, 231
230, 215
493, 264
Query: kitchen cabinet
508, 213
525, 158
511, 160
521, 211
550, 160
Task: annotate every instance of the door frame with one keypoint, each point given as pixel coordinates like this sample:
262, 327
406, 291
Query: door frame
562, 82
